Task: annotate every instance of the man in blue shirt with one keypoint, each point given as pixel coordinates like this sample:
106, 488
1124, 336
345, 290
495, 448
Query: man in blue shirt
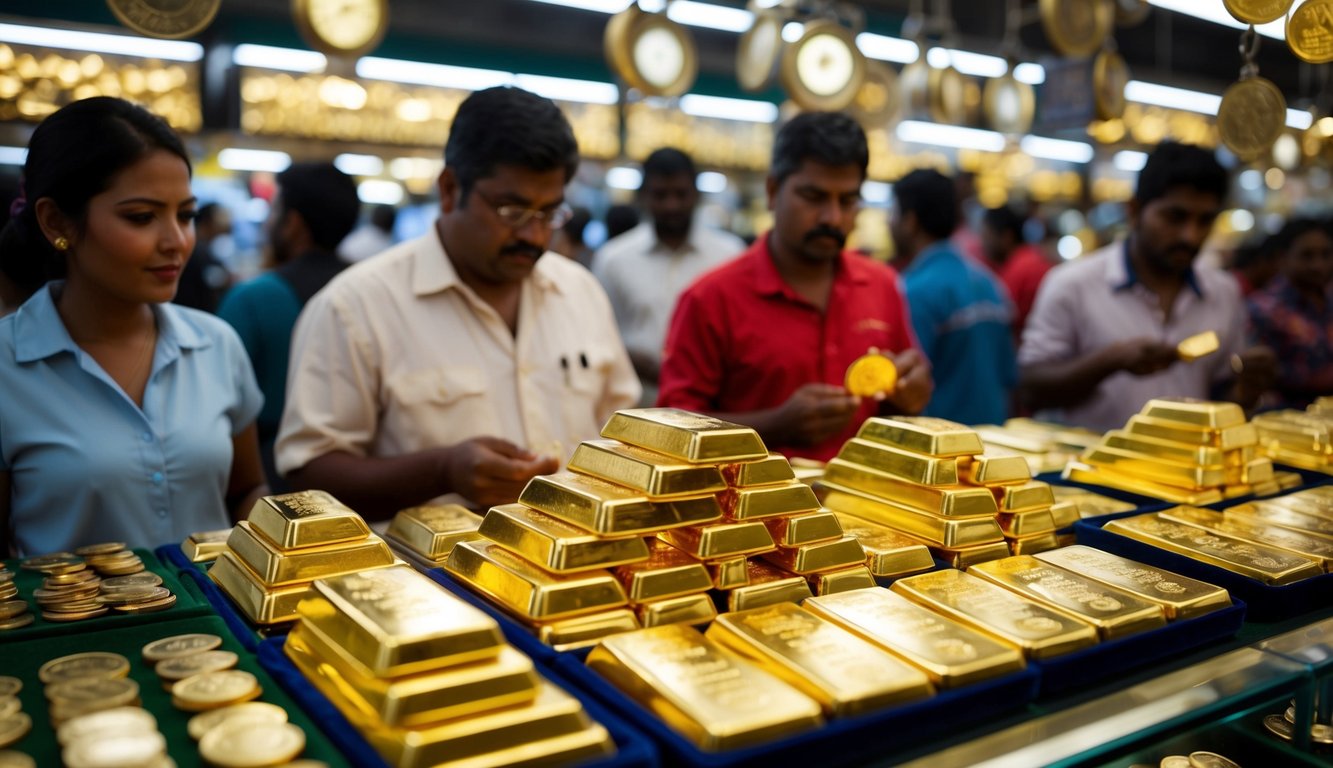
960, 312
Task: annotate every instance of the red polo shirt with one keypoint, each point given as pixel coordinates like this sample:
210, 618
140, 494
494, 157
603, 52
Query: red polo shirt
742, 340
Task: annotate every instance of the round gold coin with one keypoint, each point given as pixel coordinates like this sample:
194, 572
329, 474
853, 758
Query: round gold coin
179, 645
13, 728
871, 375
108, 548
1252, 115
1211, 760
133, 595
22, 620
11, 608
107, 722
1278, 726
297, 764
10, 686
172, 19
56, 559
1310, 31
120, 749
1290, 714
136, 581
250, 711
1076, 28
150, 606
92, 664
182, 667
12, 759
1257, 11
211, 690
110, 692
244, 744
9, 705
1174, 761
75, 615
6, 576
1321, 734
71, 578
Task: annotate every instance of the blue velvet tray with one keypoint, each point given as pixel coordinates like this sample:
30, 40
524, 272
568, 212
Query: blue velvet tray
633, 750
247, 634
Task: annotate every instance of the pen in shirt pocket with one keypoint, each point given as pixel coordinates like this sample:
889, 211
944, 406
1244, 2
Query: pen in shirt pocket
564, 365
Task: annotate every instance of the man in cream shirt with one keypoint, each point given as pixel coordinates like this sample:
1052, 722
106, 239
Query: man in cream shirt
462, 363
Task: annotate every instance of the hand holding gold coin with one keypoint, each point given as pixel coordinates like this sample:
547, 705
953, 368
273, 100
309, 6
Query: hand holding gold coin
872, 375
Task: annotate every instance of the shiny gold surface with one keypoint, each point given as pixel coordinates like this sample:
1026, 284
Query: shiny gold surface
527, 590
277, 567
586, 630
1030, 545
948, 501
1287, 480
767, 501
1023, 441
260, 604
905, 465
767, 585
804, 529
997, 466
923, 434
1197, 346
432, 531
687, 436
844, 673
1309, 502
1155, 469
1276, 513
966, 557
774, 469
1180, 597
715, 699
1038, 631
841, 580
1316, 548
888, 552
686, 609
1029, 523
1089, 504
1023, 497
609, 509
1295, 429
1199, 413
1064, 514
1263, 563
654, 474
819, 556
1226, 438
306, 519
667, 572
730, 572
950, 653
1082, 473
720, 540
1114, 612
205, 546
556, 545
945, 531
1183, 453
395, 621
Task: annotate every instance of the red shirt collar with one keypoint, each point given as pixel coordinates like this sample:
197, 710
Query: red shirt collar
767, 281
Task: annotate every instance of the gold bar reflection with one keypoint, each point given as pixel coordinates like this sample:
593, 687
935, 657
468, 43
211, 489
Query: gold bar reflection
261, 604
653, 474
888, 552
1087, 503
1306, 545
306, 519
1273, 512
1199, 455
1064, 514
587, 630
1023, 497
905, 465
945, 531
720, 540
1199, 413
949, 501
609, 509
923, 434
768, 471
730, 572
767, 585
966, 557
556, 545
819, 556
1030, 545
277, 567
686, 609
1029, 523
841, 580
1156, 469
1115, 613
1082, 473
432, 531
1180, 597
690, 437
527, 590
767, 501
1265, 564
997, 466
1228, 438
667, 572
205, 546
804, 529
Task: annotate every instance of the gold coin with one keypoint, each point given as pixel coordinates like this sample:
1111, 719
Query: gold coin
120, 749
76, 616
107, 722
21, 620
135, 595
113, 692
69, 577
1278, 726
109, 548
151, 606
1174, 761
12, 759
1290, 714
1211, 760
244, 744
118, 583
182, 667
11, 608
1310, 31
1252, 115
250, 711
1076, 27
10, 686
9, 705
1257, 11
13, 728
1321, 734
92, 664
54, 560
179, 645
211, 690
871, 375
172, 19
296, 764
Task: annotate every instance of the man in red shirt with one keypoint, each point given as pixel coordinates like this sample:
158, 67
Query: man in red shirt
1020, 265
765, 340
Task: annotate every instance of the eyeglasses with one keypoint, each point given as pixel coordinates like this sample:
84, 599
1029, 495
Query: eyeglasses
516, 216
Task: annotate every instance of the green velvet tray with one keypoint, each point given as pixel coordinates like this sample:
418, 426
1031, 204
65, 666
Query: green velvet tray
189, 602
23, 659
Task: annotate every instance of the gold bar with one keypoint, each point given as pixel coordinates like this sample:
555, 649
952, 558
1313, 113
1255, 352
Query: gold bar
395, 621
808, 474
685, 436
583, 631
720, 540
767, 586
260, 604
1266, 564
432, 531
730, 573
1199, 345
686, 609
1288, 480
426, 697
1267, 488
668, 572
1182, 453
1023, 441
1030, 545
951, 654
715, 699
966, 557
1082, 473
306, 519
411, 557
844, 673
1029, 523
1180, 597
205, 546
804, 529
1158, 470
1306, 545
1258, 471
1235, 491
556, 545
768, 471
950, 532
1114, 612
1281, 515
1314, 463
1087, 503
1198, 413
1065, 514
526, 589
277, 567
888, 552
1297, 428
1038, 631
905, 465
997, 466
841, 580
948, 501
922, 434
654, 474
1226, 438
820, 556
609, 509
767, 501
1307, 503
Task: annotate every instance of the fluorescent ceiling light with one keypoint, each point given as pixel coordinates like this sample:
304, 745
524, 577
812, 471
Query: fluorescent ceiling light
415, 168
1175, 98
1216, 13
1030, 73
955, 136
359, 165
234, 159
13, 155
729, 109
976, 64
883, 47
876, 192
440, 75
1057, 149
286, 59
1299, 119
380, 192
601, 6
792, 31
711, 181
623, 177
125, 45
710, 16
564, 89
1130, 161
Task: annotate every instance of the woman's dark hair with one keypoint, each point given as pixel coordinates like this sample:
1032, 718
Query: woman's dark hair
73, 156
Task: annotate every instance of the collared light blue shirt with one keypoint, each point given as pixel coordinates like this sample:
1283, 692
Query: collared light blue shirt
86, 463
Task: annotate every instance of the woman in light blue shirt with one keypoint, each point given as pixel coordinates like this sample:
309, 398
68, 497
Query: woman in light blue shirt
124, 417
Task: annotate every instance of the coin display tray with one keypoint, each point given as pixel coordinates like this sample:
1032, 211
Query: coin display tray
196, 575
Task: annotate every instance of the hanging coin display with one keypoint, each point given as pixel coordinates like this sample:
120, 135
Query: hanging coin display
824, 69
172, 19
1310, 31
1252, 115
758, 52
1076, 27
650, 52
1257, 11
1009, 104
1110, 75
947, 94
878, 99
1131, 13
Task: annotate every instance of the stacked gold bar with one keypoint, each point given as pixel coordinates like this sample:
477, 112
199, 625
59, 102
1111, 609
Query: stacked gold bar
1029, 514
428, 679
903, 474
289, 541
1299, 438
1047, 447
424, 536
1180, 450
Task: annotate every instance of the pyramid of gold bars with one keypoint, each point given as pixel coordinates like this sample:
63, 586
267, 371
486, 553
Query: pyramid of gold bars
669, 518
1184, 451
428, 679
1301, 439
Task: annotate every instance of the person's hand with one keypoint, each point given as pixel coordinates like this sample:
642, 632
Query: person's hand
490, 471
815, 412
915, 384
1143, 357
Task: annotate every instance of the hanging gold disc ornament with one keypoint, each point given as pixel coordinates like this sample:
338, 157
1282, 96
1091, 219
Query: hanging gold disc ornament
169, 19
1009, 104
823, 69
1253, 112
1257, 11
1131, 13
879, 98
1110, 75
650, 52
1310, 31
758, 52
1077, 27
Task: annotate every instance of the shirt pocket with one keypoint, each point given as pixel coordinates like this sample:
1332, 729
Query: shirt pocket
439, 404
585, 379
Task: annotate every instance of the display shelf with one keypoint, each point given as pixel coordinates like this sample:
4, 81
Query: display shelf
1240, 738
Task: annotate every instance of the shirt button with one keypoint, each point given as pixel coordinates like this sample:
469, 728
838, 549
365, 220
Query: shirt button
161, 513
148, 437
157, 478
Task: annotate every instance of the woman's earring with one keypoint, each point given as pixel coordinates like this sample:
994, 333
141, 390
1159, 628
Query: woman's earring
61, 244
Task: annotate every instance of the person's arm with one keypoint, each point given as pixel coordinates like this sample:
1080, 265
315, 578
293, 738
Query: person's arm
814, 413
7, 547
1058, 383
246, 484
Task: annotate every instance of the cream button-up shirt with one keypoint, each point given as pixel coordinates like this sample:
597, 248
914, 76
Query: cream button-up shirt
396, 355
